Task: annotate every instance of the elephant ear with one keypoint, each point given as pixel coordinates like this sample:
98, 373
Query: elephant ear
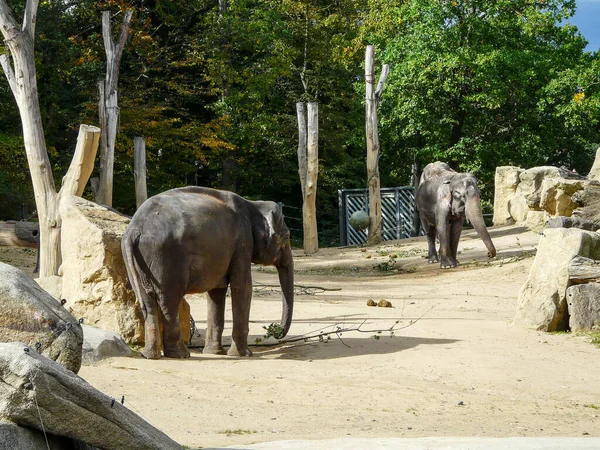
444, 198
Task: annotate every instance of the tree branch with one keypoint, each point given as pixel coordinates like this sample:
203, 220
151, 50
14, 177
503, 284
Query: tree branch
8, 24
108, 42
30, 17
8, 71
385, 70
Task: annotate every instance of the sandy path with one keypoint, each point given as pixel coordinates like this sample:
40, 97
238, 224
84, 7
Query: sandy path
508, 381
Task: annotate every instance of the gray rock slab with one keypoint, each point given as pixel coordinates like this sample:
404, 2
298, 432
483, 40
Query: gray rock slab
15, 437
584, 306
31, 315
100, 344
440, 443
35, 390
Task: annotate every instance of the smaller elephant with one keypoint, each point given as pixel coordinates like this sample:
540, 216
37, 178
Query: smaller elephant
444, 198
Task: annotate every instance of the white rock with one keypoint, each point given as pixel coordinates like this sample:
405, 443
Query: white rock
530, 183
505, 182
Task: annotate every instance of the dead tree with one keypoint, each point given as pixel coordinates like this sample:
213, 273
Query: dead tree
21, 76
108, 105
373, 97
308, 170
139, 170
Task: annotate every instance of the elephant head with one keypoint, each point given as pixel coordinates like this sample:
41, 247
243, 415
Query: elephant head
272, 248
465, 201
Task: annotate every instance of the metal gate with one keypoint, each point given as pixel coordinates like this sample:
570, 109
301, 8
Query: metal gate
397, 211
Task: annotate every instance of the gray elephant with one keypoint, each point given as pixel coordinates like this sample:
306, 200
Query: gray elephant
193, 240
444, 197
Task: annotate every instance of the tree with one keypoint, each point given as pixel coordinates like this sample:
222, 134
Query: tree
20, 45
471, 83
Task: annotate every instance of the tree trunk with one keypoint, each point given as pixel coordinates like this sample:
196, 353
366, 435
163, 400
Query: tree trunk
302, 168
309, 216
416, 178
139, 170
108, 105
373, 149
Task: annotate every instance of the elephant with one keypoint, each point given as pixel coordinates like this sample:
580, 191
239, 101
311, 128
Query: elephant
444, 197
194, 240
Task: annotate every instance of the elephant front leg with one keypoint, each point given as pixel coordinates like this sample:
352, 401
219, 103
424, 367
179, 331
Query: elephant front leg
456, 230
444, 232
241, 295
215, 321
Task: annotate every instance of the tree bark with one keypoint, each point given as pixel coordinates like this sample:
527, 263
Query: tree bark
309, 216
416, 179
139, 170
302, 167
373, 96
108, 105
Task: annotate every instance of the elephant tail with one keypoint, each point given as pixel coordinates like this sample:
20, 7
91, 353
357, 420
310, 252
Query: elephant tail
139, 283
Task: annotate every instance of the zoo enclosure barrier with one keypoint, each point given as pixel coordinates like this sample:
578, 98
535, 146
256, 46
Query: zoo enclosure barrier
397, 212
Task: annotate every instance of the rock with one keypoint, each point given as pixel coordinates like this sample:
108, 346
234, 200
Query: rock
517, 208
34, 388
506, 182
542, 303
31, 315
100, 344
584, 306
572, 222
530, 184
595, 170
371, 302
52, 285
556, 193
588, 201
383, 303
13, 436
94, 280
536, 220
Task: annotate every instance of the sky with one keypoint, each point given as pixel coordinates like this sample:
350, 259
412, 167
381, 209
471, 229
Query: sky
587, 20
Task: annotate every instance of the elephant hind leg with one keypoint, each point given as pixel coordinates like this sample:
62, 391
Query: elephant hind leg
152, 344
431, 251
215, 321
173, 345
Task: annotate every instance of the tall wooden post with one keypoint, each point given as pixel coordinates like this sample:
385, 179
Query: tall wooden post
416, 179
108, 107
308, 170
139, 170
373, 96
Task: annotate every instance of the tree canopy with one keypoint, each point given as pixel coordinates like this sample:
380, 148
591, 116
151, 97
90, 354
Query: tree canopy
212, 86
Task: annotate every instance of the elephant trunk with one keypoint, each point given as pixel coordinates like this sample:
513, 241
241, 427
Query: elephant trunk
473, 213
285, 268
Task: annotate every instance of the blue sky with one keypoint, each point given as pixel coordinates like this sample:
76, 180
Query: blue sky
587, 20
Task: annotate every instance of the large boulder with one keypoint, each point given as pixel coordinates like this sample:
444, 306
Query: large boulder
556, 195
530, 183
584, 306
100, 344
518, 209
94, 278
35, 390
542, 303
506, 182
31, 315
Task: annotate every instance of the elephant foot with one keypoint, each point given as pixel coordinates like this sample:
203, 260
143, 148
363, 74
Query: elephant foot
433, 260
448, 264
213, 349
178, 351
151, 353
233, 351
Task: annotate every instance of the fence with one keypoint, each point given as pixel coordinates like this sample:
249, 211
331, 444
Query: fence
397, 210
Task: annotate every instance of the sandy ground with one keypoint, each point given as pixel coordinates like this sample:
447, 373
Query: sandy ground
455, 365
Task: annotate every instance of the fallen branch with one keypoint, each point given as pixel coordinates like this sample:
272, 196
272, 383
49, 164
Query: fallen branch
260, 288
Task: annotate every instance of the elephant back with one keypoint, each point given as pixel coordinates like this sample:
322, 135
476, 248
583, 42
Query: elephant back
436, 169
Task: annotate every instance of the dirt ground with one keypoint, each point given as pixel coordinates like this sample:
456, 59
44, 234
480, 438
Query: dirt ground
455, 366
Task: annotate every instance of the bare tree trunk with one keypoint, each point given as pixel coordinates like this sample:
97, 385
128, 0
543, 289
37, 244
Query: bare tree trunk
139, 170
373, 149
309, 213
302, 167
416, 178
108, 105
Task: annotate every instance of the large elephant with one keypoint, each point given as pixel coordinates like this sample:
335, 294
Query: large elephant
193, 240
444, 197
